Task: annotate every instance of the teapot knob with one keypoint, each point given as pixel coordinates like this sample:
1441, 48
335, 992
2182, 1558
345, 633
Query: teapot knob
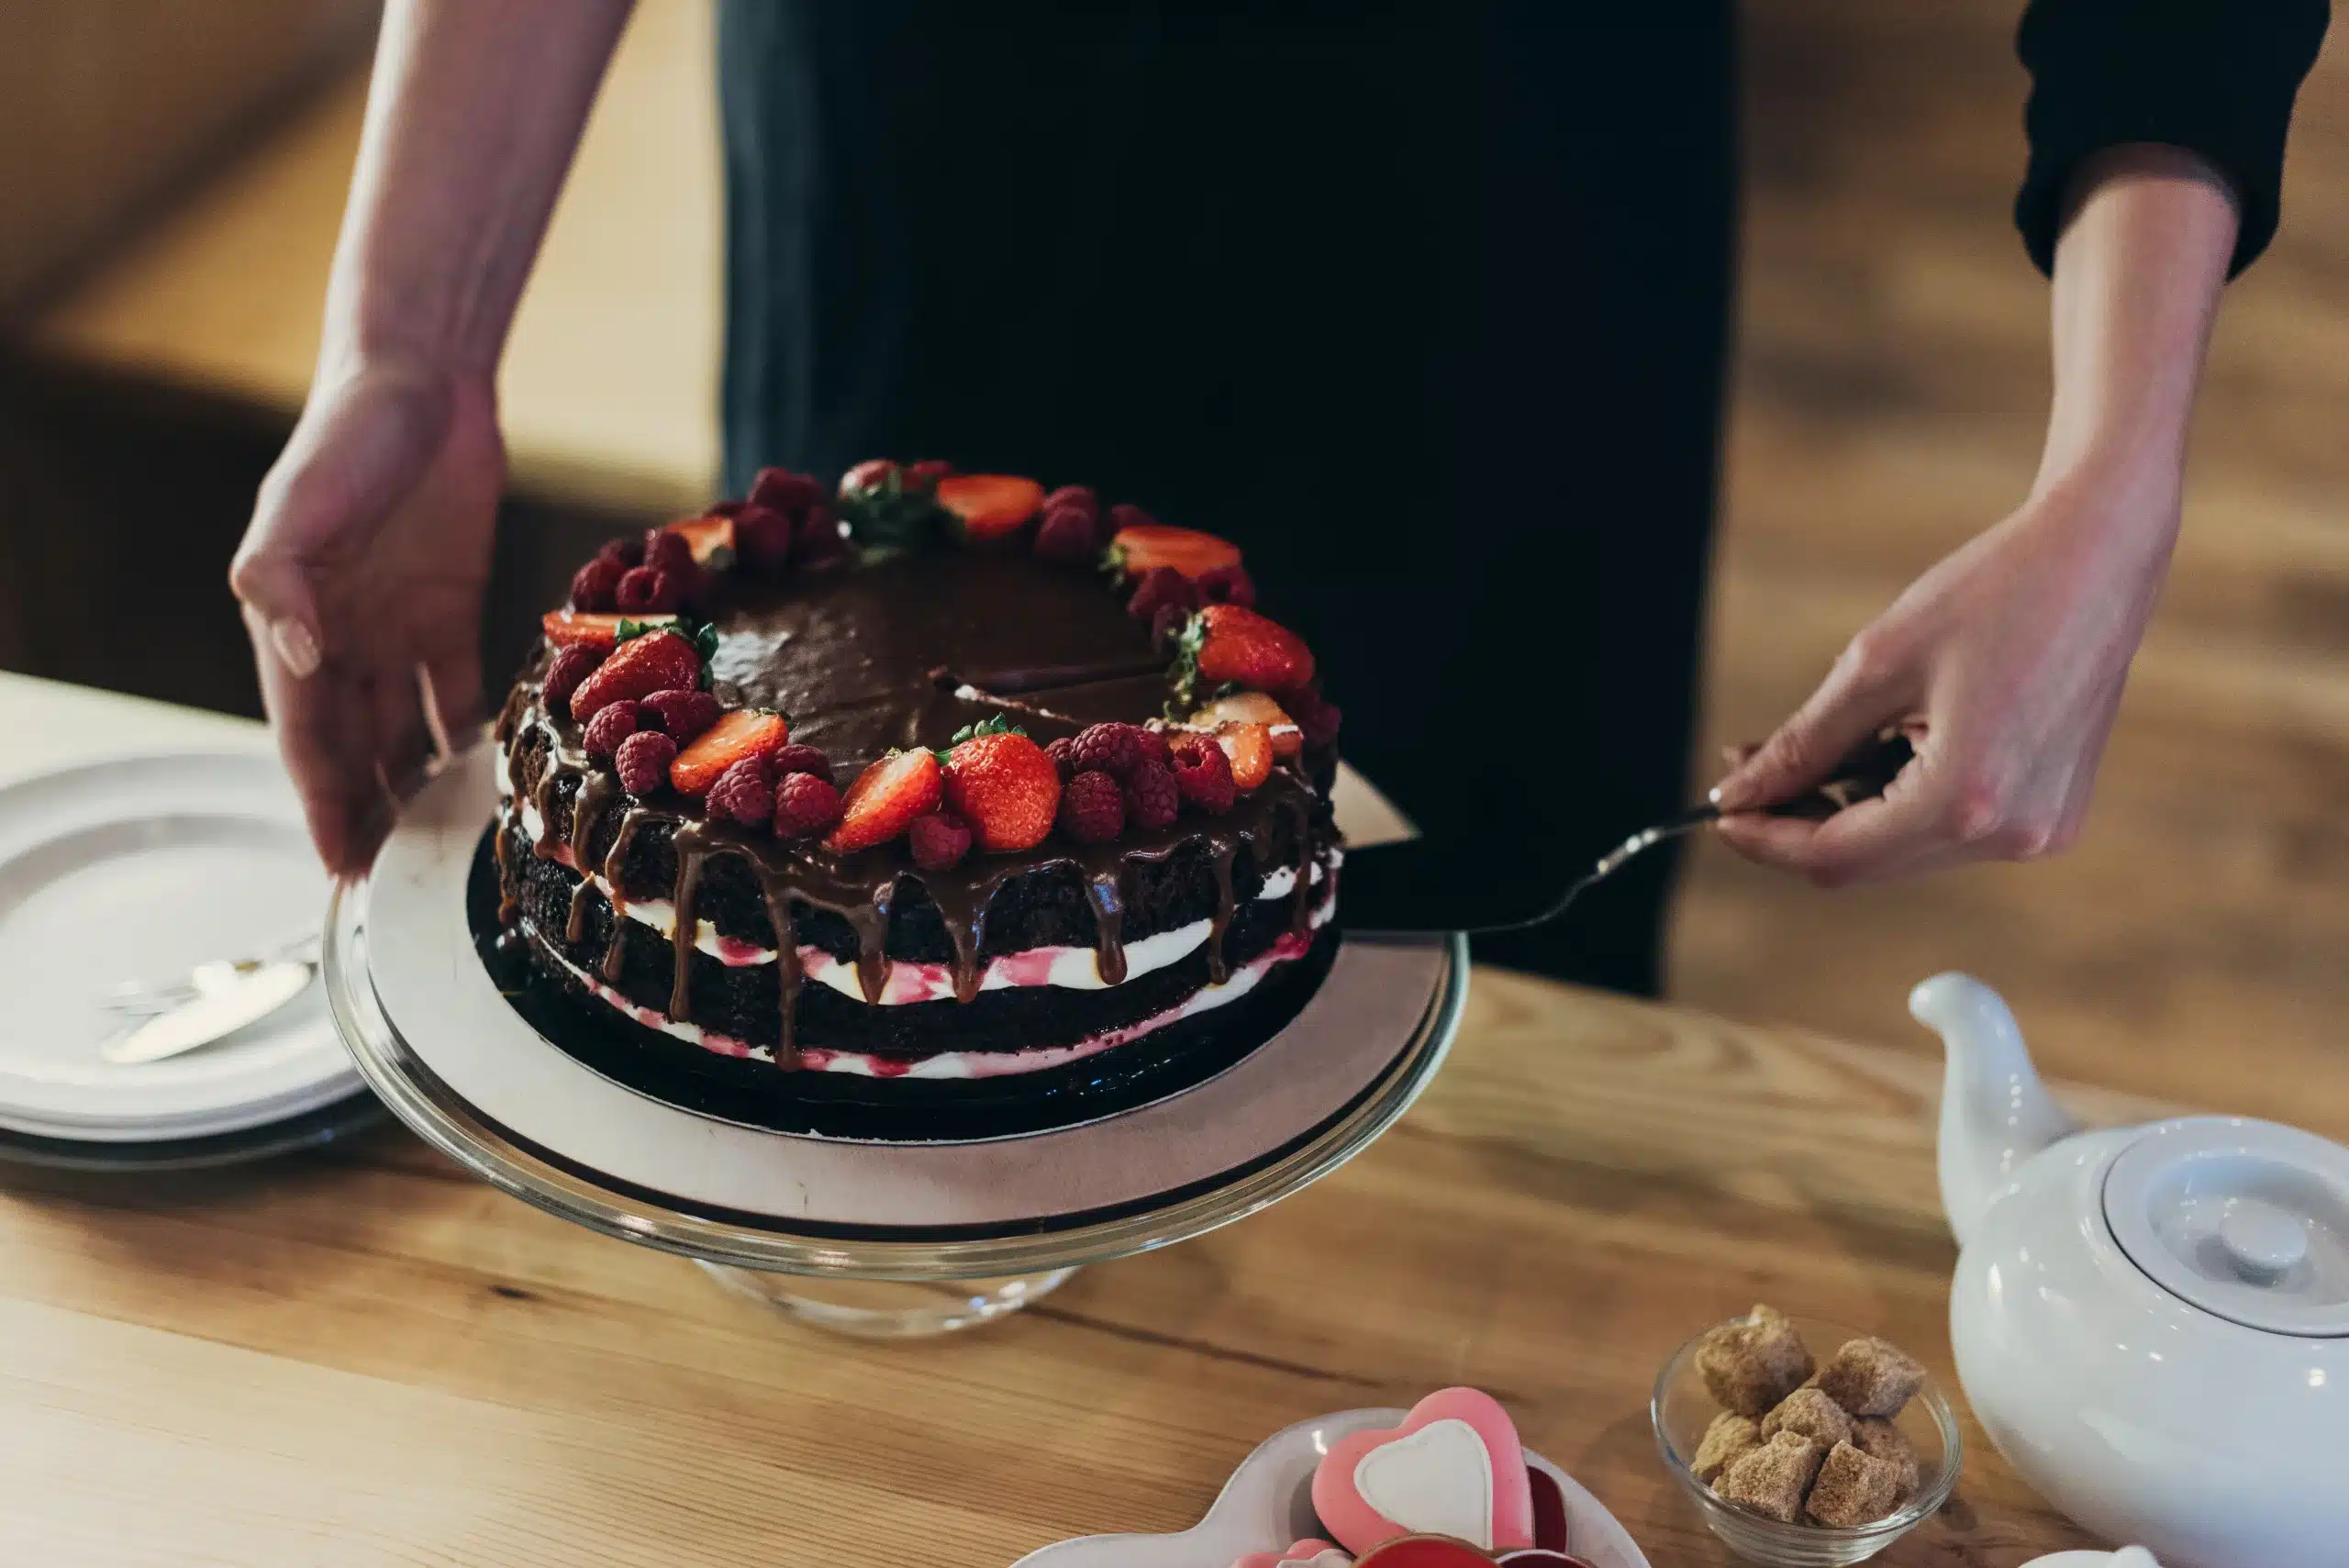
2261, 1244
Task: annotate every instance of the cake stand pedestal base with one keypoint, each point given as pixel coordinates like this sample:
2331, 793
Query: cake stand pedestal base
889, 1309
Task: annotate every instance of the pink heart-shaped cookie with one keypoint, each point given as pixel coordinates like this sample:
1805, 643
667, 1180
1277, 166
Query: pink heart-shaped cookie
1454, 1467
1425, 1551
1307, 1554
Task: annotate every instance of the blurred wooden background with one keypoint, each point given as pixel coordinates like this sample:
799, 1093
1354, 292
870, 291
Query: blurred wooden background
1888, 393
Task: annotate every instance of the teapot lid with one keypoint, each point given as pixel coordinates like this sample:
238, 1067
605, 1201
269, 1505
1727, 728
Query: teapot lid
2246, 1219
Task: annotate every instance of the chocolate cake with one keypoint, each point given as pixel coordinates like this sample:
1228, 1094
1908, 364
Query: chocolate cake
938, 776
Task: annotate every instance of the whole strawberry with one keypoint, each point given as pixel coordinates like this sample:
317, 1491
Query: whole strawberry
1202, 775
742, 794
654, 662
1231, 643
1005, 787
805, 804
1093, 808
886, 798
643, 761
1152, 798
938, 841
571, 666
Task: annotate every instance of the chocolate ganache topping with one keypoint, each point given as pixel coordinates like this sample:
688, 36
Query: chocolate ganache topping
897, 650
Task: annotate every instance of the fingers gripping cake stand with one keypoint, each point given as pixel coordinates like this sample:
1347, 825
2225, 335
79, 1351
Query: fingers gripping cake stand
881, 1238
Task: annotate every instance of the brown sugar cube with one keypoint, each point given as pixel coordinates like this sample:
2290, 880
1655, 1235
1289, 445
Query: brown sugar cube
1750, 1366
1853, 1489
1730, 1435
1773, 1478
1871, 1377
1809, 1411
1879, 1438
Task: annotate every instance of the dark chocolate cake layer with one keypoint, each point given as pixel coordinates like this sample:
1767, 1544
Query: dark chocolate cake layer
898, 650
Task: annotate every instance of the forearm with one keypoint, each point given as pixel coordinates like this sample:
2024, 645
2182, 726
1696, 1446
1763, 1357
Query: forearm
2138, 275
472, 115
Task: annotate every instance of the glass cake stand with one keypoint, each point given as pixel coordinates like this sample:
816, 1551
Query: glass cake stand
882, 1282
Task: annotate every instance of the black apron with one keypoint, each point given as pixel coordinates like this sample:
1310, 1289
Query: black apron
1424, 307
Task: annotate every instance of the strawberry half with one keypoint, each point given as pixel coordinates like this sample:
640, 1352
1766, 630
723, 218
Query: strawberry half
710, 539
1249, 748
577, 629
745, 732
1225, 643
989, 506
1006, 787
654, 662
1253, 707
1134, 551
886, 798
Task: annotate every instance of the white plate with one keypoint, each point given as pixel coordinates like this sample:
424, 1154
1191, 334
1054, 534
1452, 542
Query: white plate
139, 868
1268, 1503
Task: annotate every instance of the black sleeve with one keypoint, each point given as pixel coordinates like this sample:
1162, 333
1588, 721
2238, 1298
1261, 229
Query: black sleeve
2216, 77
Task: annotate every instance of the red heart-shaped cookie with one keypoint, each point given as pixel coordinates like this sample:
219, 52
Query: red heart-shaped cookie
1454, 1467
1424, 1551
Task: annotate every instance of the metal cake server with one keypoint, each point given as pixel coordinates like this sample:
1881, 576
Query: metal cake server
228, 997
1422, 885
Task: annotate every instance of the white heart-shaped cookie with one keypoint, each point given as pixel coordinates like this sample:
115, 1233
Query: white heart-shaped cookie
1437, 1479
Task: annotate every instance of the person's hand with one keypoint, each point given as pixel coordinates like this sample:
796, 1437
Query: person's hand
361, 578
2003, 665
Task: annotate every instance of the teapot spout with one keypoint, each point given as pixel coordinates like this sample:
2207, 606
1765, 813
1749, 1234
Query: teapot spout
1996, 1113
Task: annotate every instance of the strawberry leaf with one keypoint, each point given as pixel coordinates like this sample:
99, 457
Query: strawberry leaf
895, 512
998, 725
1185, 672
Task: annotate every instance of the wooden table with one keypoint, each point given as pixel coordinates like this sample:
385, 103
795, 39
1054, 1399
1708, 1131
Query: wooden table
365, 1357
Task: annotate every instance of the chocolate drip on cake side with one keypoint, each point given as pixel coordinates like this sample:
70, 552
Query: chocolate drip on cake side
863, 887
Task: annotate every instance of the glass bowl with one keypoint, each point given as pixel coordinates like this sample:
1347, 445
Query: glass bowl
1682, 1408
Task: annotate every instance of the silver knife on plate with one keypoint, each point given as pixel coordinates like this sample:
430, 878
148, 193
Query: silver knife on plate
226, 1000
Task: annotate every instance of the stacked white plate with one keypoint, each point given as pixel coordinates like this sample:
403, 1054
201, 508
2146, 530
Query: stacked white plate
137, 869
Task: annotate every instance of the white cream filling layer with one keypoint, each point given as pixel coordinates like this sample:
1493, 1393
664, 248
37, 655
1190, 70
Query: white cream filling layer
967, 1064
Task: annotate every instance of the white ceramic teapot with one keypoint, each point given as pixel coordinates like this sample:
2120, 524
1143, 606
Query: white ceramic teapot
2151, 1322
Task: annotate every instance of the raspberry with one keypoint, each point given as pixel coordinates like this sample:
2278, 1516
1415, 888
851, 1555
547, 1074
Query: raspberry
643, 761
1317, 717
937, 841
1151, 797
1125, 515
647, 590
783, 491
1074, 497
798, 759
763, 538
614, 722
1202, 775
1093, 809
819, 541
1058, 751
571, 666
1227, 585
593, 586
1113, 748
805, 803
1067, 534
1167, 623
743, 794
1162, 585
1155, 749
668, 552
628, 551
682, 714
